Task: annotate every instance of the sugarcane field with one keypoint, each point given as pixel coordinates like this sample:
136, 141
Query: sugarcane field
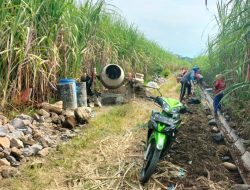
124, 95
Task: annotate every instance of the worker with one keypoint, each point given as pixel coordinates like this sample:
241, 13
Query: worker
186, 80
219, 87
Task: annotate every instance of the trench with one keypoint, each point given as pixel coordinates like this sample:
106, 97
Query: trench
232, 140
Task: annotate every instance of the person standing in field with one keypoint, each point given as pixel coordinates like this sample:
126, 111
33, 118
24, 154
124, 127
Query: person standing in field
186, 82
219, 87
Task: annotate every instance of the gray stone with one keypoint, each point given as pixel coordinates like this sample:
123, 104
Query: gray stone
17, 153
16, 134
3, 131
36, 148
212, 122
20, 126
25, 117
48, 120
27, 123
55, 118
17, 123
46, 141
218, 137
246, 160
4, 142
16, 143
4, 119
44, 152
27, 152
81, 115
35, 122
10, 127
59, 104
28, 140
33, 126
37, 134
43, 113
8, 171
6, 152
240, 187
209, 117
88, 110
43, 143
48, 126
12, 160
4, 162
62, 118
230, 166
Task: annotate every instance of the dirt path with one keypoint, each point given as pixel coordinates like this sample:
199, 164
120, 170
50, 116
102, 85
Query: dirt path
109, 155
193, 164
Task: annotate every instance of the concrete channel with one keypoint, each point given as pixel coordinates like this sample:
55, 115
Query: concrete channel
238, 151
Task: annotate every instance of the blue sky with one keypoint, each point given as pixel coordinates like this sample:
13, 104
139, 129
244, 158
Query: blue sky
179, 26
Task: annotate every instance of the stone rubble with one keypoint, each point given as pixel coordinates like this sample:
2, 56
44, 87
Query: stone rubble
26, 136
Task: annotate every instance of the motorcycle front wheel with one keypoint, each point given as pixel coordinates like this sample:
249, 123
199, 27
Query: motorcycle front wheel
150, 163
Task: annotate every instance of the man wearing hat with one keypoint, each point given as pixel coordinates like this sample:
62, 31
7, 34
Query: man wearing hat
186, 81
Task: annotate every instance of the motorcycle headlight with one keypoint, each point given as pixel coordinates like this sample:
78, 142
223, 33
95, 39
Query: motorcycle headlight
166, 107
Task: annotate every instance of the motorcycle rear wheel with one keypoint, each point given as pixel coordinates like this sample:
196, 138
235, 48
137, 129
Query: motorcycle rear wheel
150, 164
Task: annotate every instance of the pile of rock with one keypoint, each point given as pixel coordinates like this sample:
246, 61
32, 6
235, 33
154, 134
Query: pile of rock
217, 134
27, 136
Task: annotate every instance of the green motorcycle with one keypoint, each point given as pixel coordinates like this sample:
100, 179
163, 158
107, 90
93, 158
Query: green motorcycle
162, 129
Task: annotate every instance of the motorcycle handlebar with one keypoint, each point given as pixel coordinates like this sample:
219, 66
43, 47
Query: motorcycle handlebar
151, 98
159, 101
156, 99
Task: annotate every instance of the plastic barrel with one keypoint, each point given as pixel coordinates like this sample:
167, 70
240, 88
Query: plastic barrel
67, 90
81, 94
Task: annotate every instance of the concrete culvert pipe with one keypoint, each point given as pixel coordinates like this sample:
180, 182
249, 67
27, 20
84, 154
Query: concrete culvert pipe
112, 76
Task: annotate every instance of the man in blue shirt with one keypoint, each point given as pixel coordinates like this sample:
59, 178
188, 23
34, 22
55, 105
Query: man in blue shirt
186, 81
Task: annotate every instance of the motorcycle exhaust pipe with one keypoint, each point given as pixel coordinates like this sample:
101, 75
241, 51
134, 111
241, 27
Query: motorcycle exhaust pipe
112, 76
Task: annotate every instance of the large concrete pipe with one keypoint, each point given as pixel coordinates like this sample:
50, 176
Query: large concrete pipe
112, 76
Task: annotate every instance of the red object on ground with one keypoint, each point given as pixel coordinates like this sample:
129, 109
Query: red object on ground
25, 95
